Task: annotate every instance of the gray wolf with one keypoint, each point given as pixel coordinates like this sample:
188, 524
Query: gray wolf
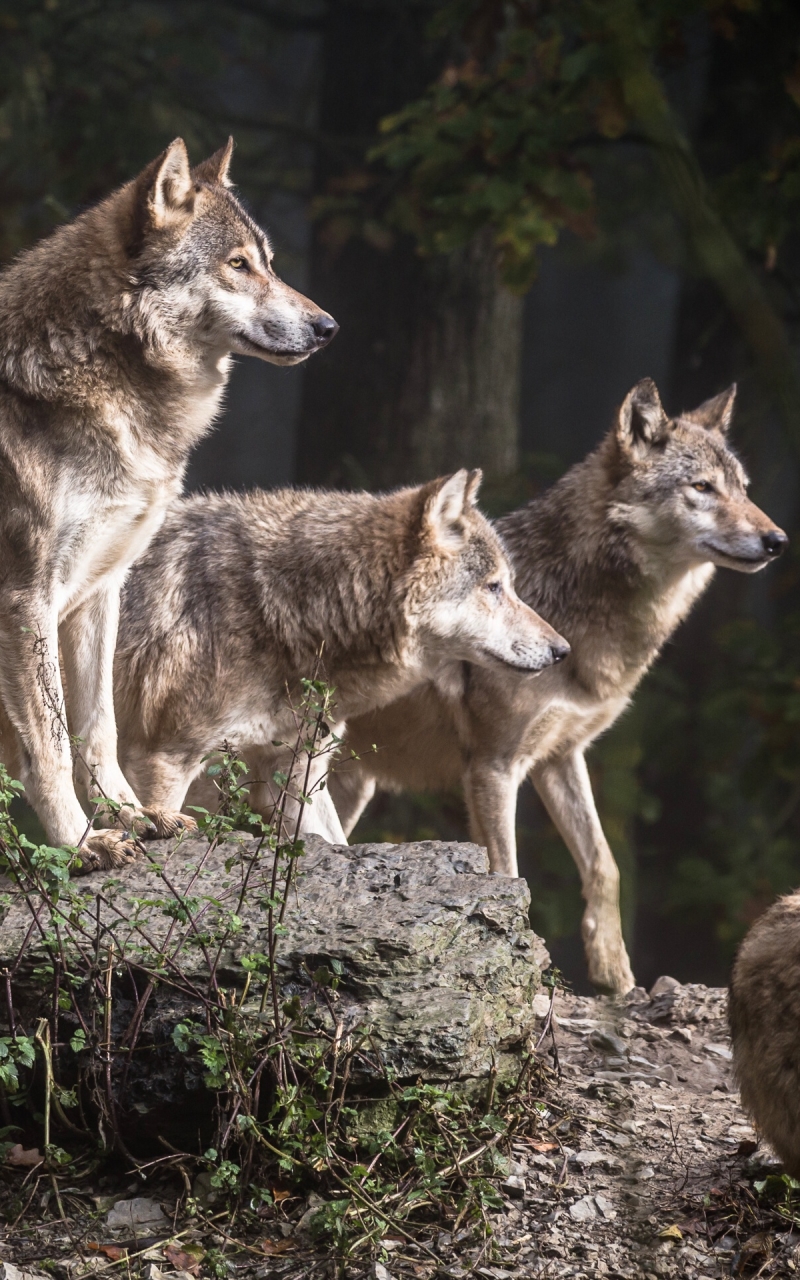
227, 611
614, 555
764, 1013
115, 341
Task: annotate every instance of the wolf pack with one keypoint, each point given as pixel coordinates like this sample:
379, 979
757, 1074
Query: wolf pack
151, 627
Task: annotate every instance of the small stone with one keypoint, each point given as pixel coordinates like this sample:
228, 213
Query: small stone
514, 1185
607, 1042
583, 1210
138, 1215
379, 1272
682, 1033
606, 1208
719, 1050
663, 985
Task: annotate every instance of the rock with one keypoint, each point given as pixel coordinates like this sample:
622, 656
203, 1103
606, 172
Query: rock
607, 1042
138, 1216
9, 1272
719, 1051
431, 952
514, 1185
583, 1210
662, 985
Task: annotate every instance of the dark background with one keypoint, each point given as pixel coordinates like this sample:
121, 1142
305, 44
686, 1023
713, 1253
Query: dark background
439, 364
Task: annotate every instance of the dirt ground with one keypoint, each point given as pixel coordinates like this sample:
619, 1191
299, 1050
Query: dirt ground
646, 1169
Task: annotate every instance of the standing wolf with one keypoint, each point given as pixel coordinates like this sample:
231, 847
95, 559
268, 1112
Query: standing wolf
115, 342
614, 556
237, 595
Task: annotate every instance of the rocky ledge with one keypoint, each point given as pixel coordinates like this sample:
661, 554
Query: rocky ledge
430, 952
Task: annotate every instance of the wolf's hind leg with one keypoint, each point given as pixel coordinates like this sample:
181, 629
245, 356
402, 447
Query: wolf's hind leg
351, 788
566, 791
163, 778
490, 791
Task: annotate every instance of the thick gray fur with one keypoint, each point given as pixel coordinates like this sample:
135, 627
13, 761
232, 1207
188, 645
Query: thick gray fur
239, 598
115, 342
614, 555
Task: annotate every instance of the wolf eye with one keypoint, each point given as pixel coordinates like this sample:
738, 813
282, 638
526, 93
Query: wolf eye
496, 588
239, 264
703, 486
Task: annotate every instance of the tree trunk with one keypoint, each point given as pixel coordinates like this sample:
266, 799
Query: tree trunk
717, 253
424, 376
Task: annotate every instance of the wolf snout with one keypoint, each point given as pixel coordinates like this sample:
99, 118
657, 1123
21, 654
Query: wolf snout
324, 328
774, 543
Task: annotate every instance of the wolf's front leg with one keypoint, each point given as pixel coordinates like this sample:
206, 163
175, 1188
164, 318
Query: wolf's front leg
88, 638
566, 790
32, 694
490, 790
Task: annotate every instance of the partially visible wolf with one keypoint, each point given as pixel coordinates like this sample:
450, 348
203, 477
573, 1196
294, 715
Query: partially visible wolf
764, 1012
614, 556
237, 595
115, 342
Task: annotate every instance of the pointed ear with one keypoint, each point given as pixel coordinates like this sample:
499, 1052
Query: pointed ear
445, 507
715, 414
169, 190
474, 481
642, 421
214, 170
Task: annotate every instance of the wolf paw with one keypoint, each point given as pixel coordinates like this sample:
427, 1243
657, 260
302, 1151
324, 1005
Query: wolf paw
167, 822
105, 851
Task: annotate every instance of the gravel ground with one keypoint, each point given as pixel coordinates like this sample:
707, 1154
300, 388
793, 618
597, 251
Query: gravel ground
646, 1169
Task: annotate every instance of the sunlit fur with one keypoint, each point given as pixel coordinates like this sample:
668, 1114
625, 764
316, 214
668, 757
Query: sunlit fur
115, 341
614, 555
238, 595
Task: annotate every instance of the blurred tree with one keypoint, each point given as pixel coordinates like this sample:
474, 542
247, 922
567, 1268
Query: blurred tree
506, 140
425, 376
90, 90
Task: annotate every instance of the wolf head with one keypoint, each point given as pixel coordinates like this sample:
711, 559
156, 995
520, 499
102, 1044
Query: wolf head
681, 490
200, 260
462, 590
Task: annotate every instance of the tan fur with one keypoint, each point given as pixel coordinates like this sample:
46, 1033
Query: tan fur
765, 1027
614, 556
237, 596
115, 342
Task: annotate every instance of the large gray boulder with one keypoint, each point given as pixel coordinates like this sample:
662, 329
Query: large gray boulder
432, 953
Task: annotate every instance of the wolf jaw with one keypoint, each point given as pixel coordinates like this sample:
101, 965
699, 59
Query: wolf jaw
115, 342
388, 587
614, 556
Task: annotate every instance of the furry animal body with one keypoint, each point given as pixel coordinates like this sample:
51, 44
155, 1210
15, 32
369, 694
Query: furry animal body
764, 1012
115, 343
614, 555
237, 595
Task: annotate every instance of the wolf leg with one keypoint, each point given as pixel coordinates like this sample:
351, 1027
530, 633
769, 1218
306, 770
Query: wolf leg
491, 795
351, 788
318, 817
566, 791
88, 638
33, 700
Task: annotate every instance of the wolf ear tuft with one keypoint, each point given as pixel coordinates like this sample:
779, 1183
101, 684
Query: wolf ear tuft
446, 505
642, 421
214, 170
474, 482
715, 414
169, 190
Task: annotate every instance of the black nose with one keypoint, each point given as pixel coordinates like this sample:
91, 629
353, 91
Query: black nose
774, 542
560, 651
325, 327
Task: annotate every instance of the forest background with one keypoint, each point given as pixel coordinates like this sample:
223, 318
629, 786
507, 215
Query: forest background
515, 209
